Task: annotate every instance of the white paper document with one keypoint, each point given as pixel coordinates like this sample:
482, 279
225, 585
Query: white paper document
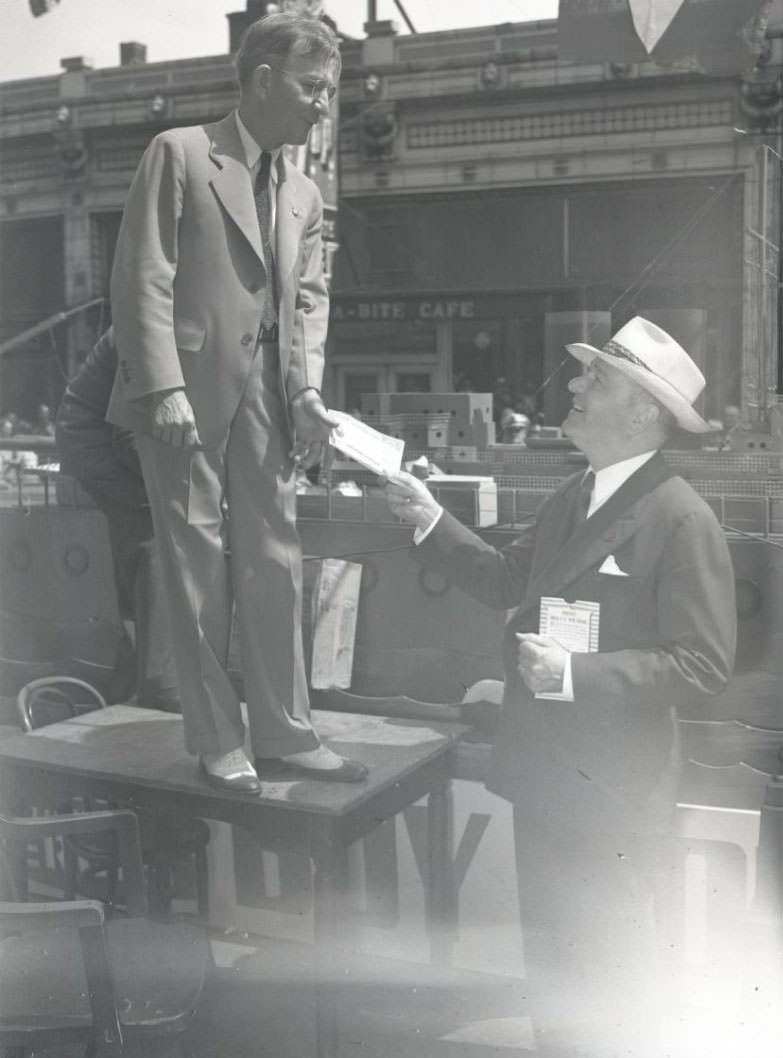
574, 625
375, 451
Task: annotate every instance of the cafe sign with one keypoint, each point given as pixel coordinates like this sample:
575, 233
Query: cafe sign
380, 310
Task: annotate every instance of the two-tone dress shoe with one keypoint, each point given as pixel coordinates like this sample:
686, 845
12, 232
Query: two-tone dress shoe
347, 771
321, 764
230, 771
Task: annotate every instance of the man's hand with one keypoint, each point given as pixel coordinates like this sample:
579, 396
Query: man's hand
173, 421
312, 426
410, 499
541, 662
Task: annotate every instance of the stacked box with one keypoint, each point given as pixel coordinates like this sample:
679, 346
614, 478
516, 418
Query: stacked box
420, 431
461, 454
478, 434
754, 441
471, 499
462, 407
432, 420
373, 405
470, 414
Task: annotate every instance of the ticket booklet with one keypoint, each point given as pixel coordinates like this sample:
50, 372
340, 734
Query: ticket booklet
574, 625
358, 441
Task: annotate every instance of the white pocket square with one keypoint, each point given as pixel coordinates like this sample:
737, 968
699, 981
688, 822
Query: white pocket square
609, 565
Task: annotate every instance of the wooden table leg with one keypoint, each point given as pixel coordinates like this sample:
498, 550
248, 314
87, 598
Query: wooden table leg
12, 804
330, 895
440, 901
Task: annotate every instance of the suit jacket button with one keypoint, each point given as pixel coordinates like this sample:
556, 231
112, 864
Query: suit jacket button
246, 339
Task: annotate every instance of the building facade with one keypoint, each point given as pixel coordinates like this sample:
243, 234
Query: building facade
495, 201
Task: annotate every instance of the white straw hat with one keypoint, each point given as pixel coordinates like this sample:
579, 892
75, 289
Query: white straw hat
652, 358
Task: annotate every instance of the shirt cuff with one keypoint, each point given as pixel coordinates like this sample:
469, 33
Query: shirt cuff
420, 535
304, 389
568, 681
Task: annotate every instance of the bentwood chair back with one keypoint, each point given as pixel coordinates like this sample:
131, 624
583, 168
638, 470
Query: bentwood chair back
71, 972
167, 841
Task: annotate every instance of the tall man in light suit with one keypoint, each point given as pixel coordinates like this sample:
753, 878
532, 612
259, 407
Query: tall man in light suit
220, 315
592, 773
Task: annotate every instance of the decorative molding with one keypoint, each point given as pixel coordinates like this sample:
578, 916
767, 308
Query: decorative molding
556, 124
28, 162
122, 156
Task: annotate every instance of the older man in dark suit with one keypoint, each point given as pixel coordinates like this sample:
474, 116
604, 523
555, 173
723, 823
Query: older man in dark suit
587, 743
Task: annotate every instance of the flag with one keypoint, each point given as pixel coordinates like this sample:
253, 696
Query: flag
42, 7
651, 19
714, 36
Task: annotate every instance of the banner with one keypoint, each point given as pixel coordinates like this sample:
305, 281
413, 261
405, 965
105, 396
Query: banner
41, 7
712, 36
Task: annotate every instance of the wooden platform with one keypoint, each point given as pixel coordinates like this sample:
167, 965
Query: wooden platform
136, 755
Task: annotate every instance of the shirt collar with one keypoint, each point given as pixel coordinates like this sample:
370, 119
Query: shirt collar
609, 480
252, 149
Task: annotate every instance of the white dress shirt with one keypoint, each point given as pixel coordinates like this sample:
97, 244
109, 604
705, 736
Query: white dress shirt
609, 480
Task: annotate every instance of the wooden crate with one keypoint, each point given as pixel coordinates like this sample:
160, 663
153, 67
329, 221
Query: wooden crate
463, 408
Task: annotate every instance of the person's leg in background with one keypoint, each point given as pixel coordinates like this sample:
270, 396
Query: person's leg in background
124, 676
149, 665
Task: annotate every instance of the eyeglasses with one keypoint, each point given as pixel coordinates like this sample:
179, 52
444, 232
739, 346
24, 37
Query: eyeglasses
316, 87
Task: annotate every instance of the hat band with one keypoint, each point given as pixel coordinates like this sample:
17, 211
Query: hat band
614, 348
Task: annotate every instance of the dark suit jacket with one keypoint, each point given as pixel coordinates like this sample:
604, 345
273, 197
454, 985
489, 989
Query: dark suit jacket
667, 637
102, 457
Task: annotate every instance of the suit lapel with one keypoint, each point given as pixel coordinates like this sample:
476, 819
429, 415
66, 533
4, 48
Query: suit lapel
602, 534
231, 182
288, 223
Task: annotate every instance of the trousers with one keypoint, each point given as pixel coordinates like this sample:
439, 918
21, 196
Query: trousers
226, 522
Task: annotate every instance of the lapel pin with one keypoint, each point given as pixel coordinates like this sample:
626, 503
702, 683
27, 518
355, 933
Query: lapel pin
295, 211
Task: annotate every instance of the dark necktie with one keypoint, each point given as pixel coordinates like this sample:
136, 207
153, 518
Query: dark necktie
582, 501
264, 212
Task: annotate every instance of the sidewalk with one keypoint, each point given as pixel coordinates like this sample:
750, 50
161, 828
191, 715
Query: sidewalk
260, 1004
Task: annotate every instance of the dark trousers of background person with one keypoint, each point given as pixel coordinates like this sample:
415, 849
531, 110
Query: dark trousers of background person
594, 909
144, 668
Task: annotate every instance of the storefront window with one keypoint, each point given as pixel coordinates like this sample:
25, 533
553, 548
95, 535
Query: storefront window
413, 382
478, 354
355, 383
378, 337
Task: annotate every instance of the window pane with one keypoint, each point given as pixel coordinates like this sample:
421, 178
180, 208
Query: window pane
414, 382
354, 384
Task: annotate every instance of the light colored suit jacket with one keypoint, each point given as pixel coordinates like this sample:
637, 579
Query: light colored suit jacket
188, 280
667, 639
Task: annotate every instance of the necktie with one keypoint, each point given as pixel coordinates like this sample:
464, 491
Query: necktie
264, 213
582, 502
